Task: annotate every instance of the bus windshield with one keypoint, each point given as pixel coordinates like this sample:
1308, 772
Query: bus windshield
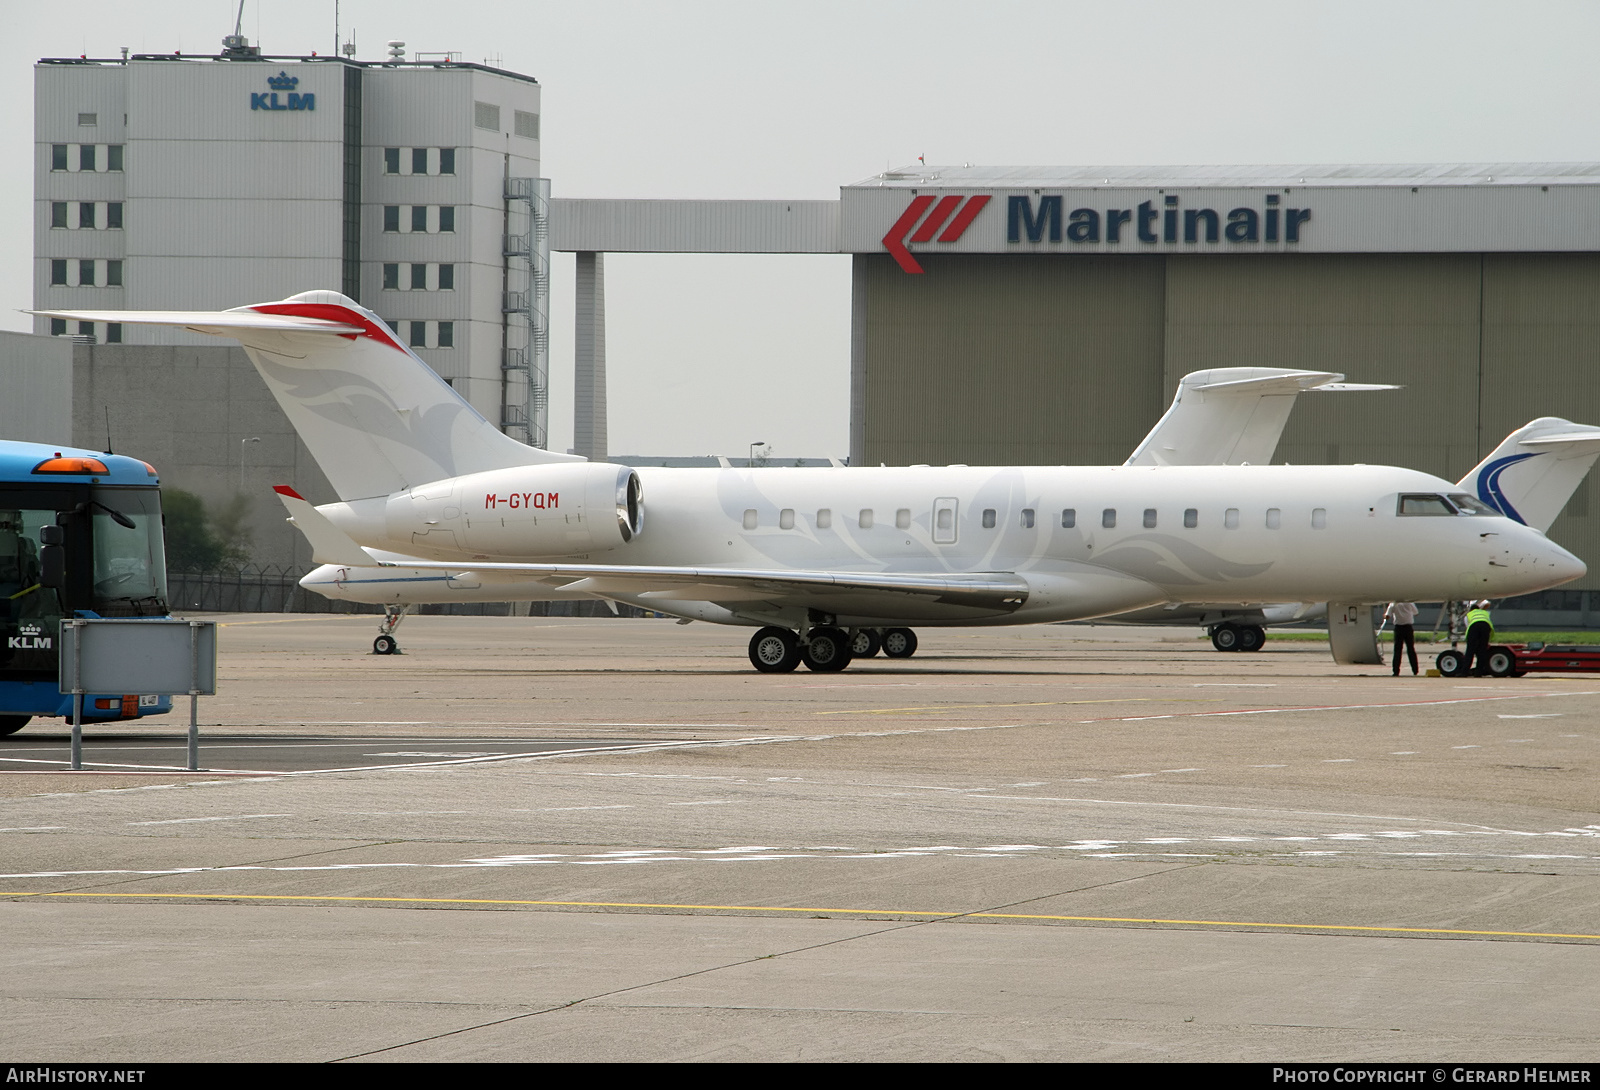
30, 614
130, 568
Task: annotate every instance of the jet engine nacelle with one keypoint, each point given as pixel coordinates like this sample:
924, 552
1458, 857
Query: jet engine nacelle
525, 513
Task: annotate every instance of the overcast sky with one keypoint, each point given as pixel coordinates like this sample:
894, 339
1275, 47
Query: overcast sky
770, 100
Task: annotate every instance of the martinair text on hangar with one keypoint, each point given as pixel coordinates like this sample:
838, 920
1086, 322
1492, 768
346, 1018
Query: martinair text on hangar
1034, 222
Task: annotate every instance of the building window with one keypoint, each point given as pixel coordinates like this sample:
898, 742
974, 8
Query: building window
447, 160
86, 329
58, 327
86, 215
1149, 518
419, 160
419, 335
447, 218
786, 519
391, 217
825, 518
113, 276
391, 276
58, 272
447, 278
58, 213
1230, 519
419, 278
113, 332
58, 157
393, 324
88, 120
864, 520
391, 160
114, 215
1191, 518
1069, 518
486, 115
750, 518
1274, 516
419, 218
902, 519
86, 274
1108, 518
447, 334
525, 124
1027, 518
988, 518
86, 157
113, 164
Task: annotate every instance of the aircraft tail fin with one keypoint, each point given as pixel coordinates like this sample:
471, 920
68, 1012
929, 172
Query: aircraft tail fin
1532, 474
1232, 415
375, 417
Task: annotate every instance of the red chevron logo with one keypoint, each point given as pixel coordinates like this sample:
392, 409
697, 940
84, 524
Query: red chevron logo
901, 233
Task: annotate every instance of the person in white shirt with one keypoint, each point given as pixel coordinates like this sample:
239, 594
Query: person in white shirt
1403, 615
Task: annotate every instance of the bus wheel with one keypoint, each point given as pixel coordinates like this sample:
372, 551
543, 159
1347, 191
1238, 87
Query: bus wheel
10, 724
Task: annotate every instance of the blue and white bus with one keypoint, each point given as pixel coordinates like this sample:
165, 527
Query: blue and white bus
80, 536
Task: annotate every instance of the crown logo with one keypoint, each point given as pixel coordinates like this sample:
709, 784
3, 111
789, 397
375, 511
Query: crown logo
283, 81
30, 629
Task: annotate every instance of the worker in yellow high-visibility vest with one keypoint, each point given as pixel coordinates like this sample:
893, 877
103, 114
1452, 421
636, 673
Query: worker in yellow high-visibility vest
1480, 630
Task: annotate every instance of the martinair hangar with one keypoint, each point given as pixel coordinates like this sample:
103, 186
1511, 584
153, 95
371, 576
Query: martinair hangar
1043, 315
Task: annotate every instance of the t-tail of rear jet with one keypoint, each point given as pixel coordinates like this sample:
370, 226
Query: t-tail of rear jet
374, 416
1532, 474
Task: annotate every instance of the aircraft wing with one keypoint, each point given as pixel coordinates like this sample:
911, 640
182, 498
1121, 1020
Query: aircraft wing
859, 593
1232, 415
224, 323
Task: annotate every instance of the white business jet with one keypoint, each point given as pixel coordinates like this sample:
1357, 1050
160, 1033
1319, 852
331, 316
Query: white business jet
811, 557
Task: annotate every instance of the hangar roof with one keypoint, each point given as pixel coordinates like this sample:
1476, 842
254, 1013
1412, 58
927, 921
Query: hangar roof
1269, 176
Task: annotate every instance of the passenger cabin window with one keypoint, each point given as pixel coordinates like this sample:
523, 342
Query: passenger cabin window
1274, 518
1425, 505
825, 519
1027, 518
1149, 518
750, 519
1108, 518
864, 520
946, 519
902, 519
1069, 518
786, 519
988, 518
1230, 519
1319, 518
1191, 518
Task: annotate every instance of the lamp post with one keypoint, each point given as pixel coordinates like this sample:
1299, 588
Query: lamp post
752, 460
242, 444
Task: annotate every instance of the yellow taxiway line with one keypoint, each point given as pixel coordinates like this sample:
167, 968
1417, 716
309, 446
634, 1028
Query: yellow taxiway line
326, 899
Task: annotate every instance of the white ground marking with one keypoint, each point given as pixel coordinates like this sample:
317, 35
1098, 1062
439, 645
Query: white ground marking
192, 821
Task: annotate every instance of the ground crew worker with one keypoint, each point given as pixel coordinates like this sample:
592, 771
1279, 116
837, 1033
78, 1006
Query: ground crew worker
1480, 630
1404, 615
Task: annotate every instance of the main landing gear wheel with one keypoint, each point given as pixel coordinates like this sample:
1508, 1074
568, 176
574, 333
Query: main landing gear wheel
385, 645
826, 650
865, 644
1227, 637
10, 724
1252, 637
899, 643
1502, 663
774, 650
1452, 663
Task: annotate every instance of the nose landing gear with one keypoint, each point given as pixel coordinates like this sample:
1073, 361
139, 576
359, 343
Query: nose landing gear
386, 644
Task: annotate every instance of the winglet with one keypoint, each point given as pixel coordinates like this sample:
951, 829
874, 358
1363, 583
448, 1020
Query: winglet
329, 544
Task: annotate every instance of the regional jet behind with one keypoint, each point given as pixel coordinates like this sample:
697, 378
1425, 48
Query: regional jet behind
812, 558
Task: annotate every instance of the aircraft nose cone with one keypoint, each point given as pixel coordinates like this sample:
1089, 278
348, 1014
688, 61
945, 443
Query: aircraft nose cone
1567, 567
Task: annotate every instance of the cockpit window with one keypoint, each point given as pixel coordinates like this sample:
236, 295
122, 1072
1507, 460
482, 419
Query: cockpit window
1425, 505
1466, 505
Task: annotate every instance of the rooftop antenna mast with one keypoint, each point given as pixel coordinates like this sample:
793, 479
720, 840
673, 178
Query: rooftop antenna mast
236, 44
